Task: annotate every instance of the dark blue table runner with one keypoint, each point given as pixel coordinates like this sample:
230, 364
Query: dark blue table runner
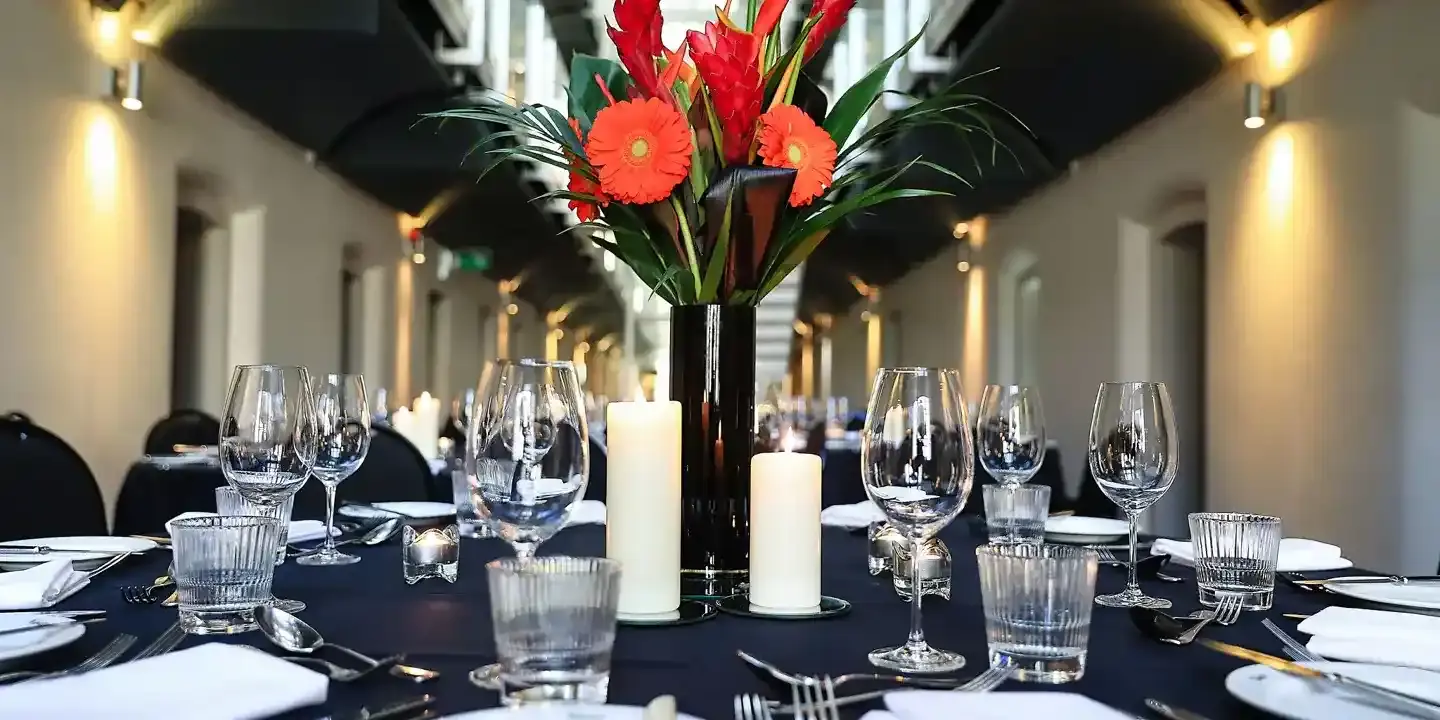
447, 627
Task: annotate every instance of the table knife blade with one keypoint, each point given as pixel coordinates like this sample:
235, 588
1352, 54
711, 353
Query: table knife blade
1170, 712
1372, 580
394, 710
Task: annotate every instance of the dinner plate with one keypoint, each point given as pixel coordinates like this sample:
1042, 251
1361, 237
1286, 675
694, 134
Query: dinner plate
1083, 530
58, 632
1423, 595
561, 712
417, 510
96, 550
1297, 698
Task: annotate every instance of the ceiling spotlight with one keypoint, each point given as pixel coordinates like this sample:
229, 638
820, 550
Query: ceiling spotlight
961, 228
415, 246
1259, 105
126, 85
512, 309
963, 266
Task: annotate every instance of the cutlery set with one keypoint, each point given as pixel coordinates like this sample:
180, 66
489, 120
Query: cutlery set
813, 697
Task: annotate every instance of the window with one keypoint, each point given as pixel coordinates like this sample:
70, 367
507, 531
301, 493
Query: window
1027, 328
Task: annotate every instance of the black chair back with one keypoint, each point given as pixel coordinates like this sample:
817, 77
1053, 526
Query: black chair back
182, 427
46, 489
595, 487
1091, 500
18, 416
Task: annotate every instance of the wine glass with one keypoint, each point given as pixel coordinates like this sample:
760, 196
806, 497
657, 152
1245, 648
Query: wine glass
342, 428
527, 450
267, 438
1133, 456
1011, 433
918, 464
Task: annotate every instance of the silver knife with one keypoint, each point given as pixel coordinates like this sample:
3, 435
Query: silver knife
1171, 712
39, 626
1372, 580
395, 710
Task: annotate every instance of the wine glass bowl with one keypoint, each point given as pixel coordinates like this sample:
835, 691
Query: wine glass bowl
1132, 454
1010, 433
917, 463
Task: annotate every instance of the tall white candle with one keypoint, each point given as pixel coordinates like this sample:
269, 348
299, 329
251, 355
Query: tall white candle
427, 425
642, 504
785, 531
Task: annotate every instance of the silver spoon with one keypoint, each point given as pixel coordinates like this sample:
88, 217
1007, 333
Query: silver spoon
374, 536
787, 680
295, 635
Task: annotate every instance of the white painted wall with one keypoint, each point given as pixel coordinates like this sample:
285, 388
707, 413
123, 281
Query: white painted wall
89, 194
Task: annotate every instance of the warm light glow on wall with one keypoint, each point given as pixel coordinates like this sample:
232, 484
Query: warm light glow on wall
872, 345
102, 160
974, 350
1282, 50
1280, 172
107, 28
404, 325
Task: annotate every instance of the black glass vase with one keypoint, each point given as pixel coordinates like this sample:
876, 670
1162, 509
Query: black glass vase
712, 375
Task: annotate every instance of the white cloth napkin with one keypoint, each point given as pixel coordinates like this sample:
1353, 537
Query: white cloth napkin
587, 512
300, 530
858, 515
207, 682
1296, 554
40, 586
946, 705
1375, 636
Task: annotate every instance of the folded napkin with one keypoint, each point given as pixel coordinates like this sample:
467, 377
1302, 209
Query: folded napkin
854, 516
587, 512
300, 530
40, 586
1296, 554
947, 705
1375, 636
207, 682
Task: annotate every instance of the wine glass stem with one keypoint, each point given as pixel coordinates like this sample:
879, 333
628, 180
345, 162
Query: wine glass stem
1134, 583
917, 633
329, 518
525, 550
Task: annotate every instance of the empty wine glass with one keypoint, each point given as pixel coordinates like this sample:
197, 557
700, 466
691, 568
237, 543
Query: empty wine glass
267, 436
527, 448
1010, 433
917, 462
342, 427
1133, 456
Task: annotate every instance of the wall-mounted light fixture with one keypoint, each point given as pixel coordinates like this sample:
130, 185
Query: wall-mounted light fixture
961, 230
415, 245
126, 85
1261, 105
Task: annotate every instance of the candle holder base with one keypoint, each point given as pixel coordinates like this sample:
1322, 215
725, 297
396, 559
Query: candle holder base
713, 584
829, 607
430, 554
689, 613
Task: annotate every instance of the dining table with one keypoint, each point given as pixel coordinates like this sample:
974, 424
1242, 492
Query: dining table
447, 627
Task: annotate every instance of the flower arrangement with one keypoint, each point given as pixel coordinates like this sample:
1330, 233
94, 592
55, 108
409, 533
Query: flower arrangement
713, 169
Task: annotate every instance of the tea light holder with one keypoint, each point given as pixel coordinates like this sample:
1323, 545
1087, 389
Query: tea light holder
935, 569
433, 553
884, 541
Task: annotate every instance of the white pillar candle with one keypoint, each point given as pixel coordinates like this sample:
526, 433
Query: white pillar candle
427, 425
642, 504
785, 531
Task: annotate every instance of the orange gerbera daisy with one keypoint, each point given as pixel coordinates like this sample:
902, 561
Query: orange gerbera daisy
641, 148
790, 139
581, 183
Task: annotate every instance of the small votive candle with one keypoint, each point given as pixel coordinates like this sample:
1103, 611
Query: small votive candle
785, 531
433, 553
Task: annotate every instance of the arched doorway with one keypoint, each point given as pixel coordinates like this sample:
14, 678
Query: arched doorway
186, 369
1179, 360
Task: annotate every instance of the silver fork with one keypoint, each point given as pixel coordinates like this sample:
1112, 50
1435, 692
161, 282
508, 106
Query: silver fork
1226, 613
751, 707
984, 682
1293, 648
1229, 606
107, 655
815, 700
1107, 557
167, 641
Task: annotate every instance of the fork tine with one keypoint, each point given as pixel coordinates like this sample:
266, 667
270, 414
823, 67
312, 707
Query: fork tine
827, 698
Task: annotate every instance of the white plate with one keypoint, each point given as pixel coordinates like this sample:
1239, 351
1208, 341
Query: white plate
1299, 698
1084, 530
105, 547
1415, 595
60, 632
561, 712
420, 510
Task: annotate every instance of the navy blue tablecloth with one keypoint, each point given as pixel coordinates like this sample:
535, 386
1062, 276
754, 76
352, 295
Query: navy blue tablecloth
447, 627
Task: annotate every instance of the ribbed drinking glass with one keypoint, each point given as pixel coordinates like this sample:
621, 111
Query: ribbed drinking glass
554, 620
1038, 600
1235, 556
1016, 513
228, 501
223, 569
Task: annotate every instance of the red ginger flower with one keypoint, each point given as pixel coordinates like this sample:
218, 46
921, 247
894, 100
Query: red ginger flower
580, 182
637, 40
642, 149
725, 59
790, 139
836, 12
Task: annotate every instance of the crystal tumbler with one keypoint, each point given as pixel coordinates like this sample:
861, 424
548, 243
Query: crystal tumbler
554, 620
1235, 556
1037, 608
229, 502
223, 568
1016, 514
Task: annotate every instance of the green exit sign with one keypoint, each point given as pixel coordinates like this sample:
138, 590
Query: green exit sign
473, 260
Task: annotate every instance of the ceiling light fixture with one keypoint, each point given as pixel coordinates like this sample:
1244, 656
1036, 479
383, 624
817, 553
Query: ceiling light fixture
126, 85
1260, 105
961, 230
